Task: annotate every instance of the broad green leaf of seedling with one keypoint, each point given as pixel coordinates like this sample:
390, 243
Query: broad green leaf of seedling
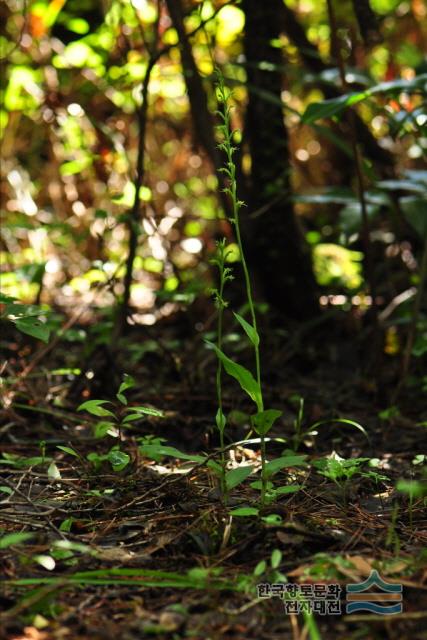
11, 539
276, 558
118, 459
103, 428
95, 408
148, 411
237, 476
69, 450
128, 383
264, 420
244, 512
282, 463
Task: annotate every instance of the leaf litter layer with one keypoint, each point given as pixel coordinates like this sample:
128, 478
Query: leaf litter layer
150, 550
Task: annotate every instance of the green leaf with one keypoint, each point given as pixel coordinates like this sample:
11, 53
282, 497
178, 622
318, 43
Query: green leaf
149, 411
273, 519
118, 459
241, 374
7, 490
95, 408
283, 463
33, 327
276, 558
66, 524
250, 331
344, 421
418, 83
244, 512
69, 450
128, 383
131, 418
264, 420
257, 484
220, 420
237, 476
11, 539
260, 568
289, 488
215, 466
332, 107
4, 299
102, 428
150, 450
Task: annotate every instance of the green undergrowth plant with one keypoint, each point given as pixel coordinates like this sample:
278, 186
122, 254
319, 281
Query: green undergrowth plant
225, 276
25, 317
114, 420
263, 420
341, 471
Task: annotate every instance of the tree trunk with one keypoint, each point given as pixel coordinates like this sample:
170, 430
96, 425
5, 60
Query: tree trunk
277, 249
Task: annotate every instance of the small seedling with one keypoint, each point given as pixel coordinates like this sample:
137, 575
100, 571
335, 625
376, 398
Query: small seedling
341, 471
114, 421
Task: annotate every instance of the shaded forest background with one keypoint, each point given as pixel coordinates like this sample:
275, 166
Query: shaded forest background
103, 101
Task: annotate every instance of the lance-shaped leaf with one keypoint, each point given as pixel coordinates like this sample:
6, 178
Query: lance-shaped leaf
332, 107
283, 463
95, 408
264, 420
236, 476
148, 411
244, 511
118, 459
250, 331
243, 376
103, 428
154, 450
128, 383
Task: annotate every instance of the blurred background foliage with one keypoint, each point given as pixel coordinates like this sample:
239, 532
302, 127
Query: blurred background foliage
72, 75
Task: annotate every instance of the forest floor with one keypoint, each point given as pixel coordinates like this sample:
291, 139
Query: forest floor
152, 551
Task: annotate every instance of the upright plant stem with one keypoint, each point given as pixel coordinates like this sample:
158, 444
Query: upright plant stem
236, 204
223, 271
254, 324
220, 405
